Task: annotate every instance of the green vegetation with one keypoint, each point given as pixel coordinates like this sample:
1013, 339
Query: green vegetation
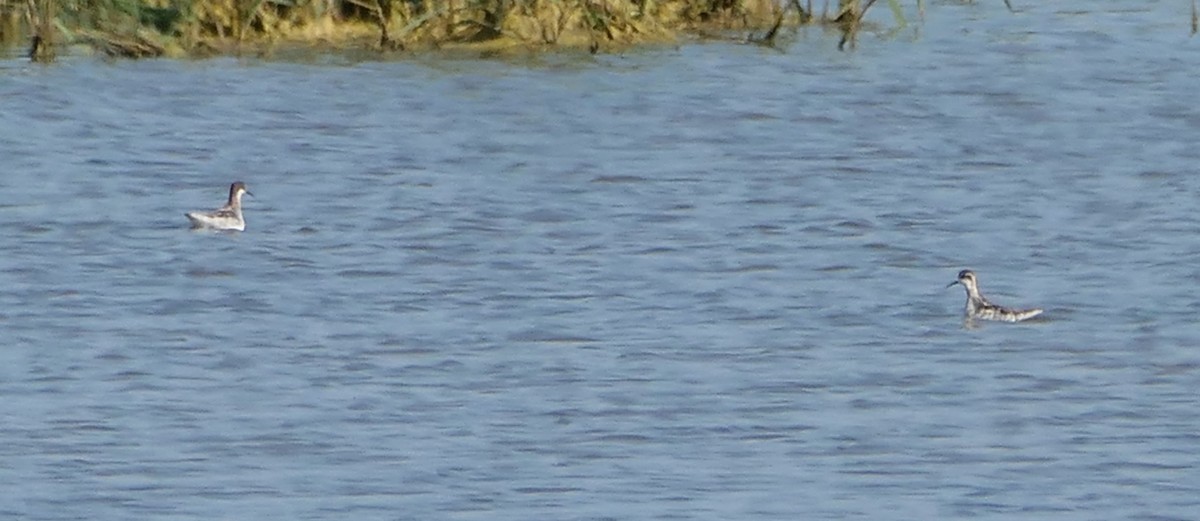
142, 28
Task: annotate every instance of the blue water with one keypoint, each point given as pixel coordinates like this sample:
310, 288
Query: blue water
703, 282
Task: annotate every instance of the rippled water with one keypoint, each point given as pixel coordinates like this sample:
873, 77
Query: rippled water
705, 282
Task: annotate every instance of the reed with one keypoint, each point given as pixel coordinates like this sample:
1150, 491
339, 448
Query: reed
139, 28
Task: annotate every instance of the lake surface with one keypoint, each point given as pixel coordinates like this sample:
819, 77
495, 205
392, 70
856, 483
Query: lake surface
704, 282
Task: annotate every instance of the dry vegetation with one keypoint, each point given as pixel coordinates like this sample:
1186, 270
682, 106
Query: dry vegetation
140, 28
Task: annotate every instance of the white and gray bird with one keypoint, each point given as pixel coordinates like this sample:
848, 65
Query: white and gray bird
978, 307
228, 217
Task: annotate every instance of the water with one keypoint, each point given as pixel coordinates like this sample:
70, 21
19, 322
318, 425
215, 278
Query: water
705, 282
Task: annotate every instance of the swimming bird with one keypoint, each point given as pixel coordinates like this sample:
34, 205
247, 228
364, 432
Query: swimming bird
979, 307
228, 217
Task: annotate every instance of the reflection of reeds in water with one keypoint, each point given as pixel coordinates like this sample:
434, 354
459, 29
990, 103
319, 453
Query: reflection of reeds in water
42, 15
847, 16
850, 15
849, 19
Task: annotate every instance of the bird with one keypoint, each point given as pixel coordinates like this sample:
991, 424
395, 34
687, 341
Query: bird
979, 307
228, 217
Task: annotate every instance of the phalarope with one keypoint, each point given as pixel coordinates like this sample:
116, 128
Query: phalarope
228, 217
979, 307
